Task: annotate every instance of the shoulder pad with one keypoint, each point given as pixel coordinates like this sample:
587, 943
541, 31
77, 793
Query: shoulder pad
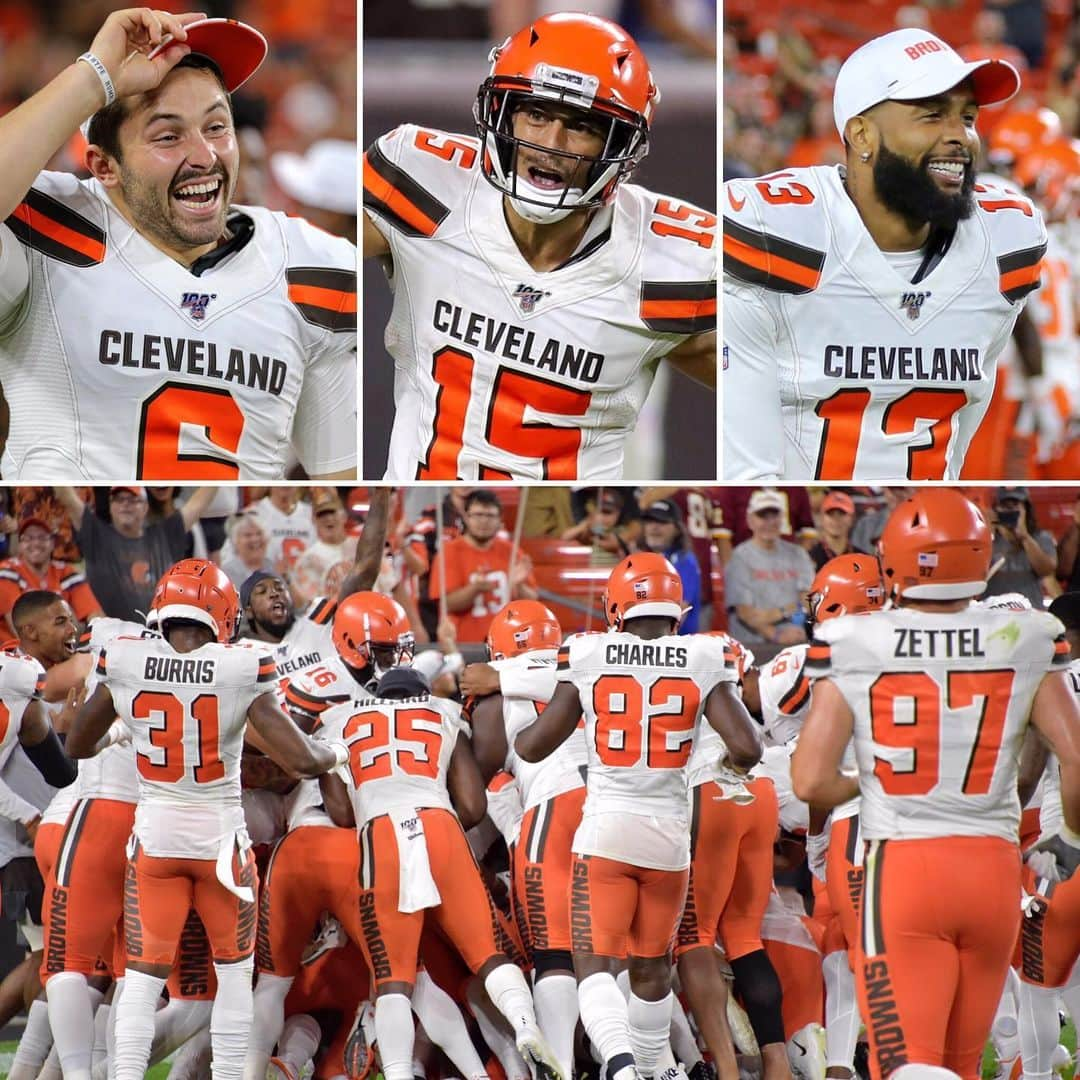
678, 262
62, 218
776, 232
1017, 238
414, 176
21, 675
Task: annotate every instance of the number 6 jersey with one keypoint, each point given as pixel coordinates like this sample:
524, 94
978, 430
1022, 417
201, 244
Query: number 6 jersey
941, 703
118, 362
503, 371
826, 339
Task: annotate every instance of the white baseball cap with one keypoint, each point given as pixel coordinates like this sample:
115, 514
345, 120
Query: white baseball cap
324, 177
907, 65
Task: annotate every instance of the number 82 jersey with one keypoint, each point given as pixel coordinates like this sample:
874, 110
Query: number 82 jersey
506, 372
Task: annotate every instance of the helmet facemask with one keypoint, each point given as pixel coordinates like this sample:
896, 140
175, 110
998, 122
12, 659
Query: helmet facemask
625, 143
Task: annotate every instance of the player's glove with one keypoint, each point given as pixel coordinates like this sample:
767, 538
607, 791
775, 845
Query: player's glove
817, 849
341, 753
1057, 857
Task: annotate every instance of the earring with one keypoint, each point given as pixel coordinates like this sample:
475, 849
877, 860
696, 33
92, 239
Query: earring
865, 155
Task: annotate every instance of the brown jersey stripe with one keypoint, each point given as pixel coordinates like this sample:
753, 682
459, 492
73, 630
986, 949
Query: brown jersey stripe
796, 697
390, 192
48, 226
302, 699
325, 298
323, 611
678, 307
1019, 272
759, 258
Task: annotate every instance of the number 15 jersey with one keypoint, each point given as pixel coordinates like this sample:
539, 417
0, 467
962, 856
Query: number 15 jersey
941, 703
506, 372
869, 376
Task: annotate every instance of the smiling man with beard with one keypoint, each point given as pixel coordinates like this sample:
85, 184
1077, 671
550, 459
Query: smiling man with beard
149, 329
866, 304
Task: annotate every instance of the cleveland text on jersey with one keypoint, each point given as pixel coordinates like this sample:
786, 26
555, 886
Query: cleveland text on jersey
535, 290
151, 328
867, 303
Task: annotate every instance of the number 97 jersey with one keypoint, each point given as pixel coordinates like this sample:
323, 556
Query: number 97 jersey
941, 703
506, 372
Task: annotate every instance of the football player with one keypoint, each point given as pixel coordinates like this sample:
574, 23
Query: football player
187, 697
642, 691
938, 694
866, 304
148, 328
523, 642
409, 777
846, 585
542, 288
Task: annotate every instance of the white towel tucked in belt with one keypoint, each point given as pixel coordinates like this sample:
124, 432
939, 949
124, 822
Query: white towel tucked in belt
416, 887
223, 867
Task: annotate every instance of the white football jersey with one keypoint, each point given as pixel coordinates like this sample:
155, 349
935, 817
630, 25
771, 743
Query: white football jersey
642, 702
289, 534
306, 642
110, 774
709, 747
559, 772
500, 369
120, 362
319, 686
868, 376
785, 694
941, 702
399, 752
21, 681
187, 713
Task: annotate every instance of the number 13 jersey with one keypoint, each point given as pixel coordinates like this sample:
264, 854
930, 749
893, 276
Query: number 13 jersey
118, 362
941, 703
503, 371
868, 376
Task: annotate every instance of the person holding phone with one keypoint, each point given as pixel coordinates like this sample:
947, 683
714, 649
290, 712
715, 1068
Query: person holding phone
1025, 552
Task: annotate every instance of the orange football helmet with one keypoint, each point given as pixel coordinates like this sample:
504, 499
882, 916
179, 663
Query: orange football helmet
846, 585
196, 589
643, 584
1051, 173
936, 546
1020, 132
576, 60
522, 626
372, 629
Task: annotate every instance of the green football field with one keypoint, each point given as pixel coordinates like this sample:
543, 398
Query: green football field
1068, 1037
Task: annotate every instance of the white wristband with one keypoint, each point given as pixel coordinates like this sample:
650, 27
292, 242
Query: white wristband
341, 754
102, 73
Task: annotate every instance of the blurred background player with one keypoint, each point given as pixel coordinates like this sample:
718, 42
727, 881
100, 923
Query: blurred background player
536, 211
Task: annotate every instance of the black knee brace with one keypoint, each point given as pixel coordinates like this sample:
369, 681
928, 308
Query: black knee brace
758, 989
552, 960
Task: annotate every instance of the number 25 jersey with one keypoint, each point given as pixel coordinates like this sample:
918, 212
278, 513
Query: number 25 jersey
941, 703
503, 371
868, 376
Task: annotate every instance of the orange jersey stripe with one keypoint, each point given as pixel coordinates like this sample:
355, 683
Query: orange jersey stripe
332, 299
92, 249
771, 264
677, 309
384, 191
1026, 275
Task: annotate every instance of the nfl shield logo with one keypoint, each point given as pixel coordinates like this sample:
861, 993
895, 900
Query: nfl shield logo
913, 302
196, 304
528, 297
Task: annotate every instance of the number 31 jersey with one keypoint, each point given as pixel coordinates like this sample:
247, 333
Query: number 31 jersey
119, 362
941, 703
503, 371
868, 376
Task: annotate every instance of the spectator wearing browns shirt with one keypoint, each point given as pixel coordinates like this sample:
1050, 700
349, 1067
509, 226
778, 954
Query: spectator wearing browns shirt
837, 520
34, 568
